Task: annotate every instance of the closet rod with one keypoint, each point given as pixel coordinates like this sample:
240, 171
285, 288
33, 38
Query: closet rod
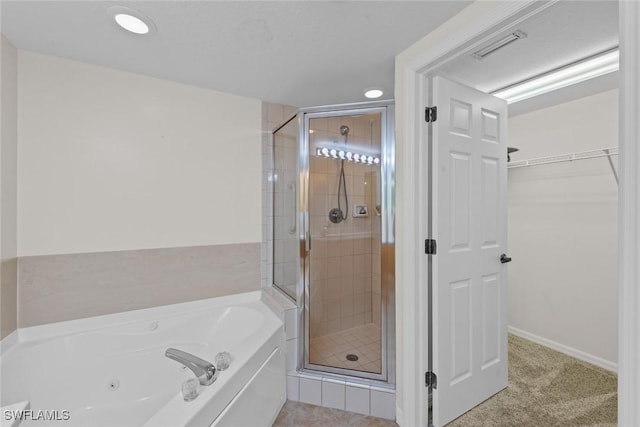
602, 152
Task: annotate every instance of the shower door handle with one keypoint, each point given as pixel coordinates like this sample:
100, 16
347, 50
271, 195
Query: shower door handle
504, 258
305, 244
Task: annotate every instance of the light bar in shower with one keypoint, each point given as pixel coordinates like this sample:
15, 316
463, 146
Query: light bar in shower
333, 153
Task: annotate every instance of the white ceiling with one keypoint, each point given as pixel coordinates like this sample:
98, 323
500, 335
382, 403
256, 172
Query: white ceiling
300, 53
563, 33
306, 53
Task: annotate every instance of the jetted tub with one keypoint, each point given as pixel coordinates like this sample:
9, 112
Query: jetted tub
112, 371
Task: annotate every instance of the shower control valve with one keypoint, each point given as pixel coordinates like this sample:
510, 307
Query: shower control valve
336, 216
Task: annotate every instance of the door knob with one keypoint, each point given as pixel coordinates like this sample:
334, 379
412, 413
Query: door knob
504, 258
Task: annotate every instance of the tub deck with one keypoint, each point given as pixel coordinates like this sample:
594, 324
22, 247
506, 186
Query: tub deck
111, 370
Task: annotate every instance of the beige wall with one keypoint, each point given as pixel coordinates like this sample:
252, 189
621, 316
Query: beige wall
563, 228
133, 191
8, 190
110, 160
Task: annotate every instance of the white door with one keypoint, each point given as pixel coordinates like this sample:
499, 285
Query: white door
469, 181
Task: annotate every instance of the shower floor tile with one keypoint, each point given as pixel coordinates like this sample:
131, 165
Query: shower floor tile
362, 341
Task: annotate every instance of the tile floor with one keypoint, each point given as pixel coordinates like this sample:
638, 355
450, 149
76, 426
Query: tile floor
298, 414
363, 341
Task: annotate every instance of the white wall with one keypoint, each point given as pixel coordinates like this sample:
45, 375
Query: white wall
8, 151
110, 160
588, 123
8, 186
563, 229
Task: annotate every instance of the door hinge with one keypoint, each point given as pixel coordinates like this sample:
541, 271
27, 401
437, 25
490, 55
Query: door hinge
431, 114
431, 379
430, 247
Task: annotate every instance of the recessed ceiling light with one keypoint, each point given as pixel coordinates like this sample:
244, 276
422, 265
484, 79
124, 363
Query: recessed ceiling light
131, 23
373, 93
131, 20
589, 68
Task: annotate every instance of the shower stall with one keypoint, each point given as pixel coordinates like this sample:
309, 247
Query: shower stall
333, 235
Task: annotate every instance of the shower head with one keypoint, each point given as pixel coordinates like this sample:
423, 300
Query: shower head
344, 130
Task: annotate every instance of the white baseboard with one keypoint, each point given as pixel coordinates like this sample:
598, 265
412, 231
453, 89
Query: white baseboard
399, 416
578, 354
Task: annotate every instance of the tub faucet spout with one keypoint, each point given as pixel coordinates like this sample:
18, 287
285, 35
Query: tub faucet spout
204, 371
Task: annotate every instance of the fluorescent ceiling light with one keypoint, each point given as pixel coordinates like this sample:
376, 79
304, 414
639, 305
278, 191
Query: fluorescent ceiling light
373, 93
131, 20
595, 66
499, 44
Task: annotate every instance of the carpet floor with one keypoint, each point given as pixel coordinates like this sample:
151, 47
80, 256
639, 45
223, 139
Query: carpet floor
547, 388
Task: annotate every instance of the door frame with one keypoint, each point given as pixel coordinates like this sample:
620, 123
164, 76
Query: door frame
461, 34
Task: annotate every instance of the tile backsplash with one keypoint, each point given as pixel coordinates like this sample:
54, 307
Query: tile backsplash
8, 296
54, 288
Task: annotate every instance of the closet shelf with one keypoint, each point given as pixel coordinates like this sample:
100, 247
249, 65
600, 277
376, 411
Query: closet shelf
592, 154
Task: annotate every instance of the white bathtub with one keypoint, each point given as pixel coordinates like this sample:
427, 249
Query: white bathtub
111, 370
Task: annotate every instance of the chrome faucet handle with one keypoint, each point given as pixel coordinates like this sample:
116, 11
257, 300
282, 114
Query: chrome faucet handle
203, 370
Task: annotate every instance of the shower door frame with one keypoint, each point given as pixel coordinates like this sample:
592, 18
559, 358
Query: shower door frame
387, 263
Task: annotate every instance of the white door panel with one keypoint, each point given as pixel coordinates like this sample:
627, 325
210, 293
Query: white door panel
469, 224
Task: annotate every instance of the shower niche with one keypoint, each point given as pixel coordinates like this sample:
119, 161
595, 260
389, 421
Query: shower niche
341, 203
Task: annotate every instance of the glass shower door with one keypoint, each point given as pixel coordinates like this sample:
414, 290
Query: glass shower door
346, 296
285, 178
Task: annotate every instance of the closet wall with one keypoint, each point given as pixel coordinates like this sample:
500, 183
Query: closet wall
563, 230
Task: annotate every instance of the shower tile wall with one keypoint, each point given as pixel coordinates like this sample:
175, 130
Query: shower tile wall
345, 266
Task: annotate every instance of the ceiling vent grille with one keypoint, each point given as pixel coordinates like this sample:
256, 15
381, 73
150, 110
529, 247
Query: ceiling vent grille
499, 44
